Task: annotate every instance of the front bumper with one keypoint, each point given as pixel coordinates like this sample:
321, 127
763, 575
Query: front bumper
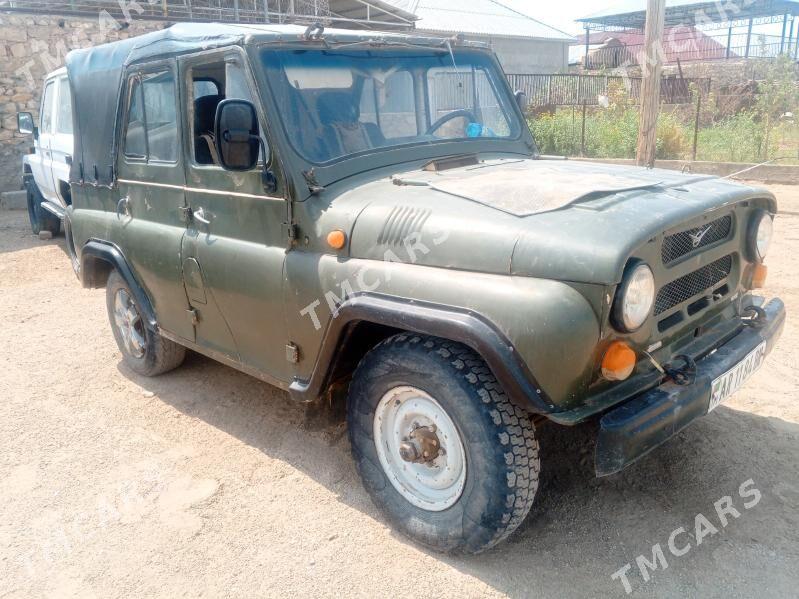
635, 428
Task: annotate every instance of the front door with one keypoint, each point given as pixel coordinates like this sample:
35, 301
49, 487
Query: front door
235, 246
151, 203
61, 143
43, 167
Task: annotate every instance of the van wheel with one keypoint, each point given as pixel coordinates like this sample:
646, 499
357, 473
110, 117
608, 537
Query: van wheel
441, 450
40, 219
144, 352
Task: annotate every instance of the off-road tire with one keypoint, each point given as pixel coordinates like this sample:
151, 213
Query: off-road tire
40, 219
160, 355
498, 439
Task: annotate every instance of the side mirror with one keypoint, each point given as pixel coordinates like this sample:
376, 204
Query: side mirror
25, 123
236, 135
521, 99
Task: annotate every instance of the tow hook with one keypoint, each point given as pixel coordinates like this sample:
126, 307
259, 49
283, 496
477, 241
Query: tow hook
421, 446
683, 375
753, 316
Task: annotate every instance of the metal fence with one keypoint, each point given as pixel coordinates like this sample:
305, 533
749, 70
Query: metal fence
723, 127
576, 90
239, 11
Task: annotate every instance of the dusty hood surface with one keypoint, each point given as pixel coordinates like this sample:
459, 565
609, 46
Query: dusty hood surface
552, 219
527, 187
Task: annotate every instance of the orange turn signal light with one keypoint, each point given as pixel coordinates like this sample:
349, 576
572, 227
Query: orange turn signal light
759, 276
336, 239
618, 362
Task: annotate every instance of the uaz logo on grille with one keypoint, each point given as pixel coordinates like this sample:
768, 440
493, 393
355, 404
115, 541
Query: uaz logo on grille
696, 238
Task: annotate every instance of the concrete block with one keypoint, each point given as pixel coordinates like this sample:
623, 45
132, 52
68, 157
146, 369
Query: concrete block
13, 200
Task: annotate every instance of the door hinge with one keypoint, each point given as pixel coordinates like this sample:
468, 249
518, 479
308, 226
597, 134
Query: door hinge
194, 317
185, 213
292, 353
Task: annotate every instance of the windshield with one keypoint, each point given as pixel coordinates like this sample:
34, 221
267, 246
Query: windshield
337, 103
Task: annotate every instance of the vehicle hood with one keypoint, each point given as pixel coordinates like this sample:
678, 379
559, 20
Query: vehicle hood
556, 219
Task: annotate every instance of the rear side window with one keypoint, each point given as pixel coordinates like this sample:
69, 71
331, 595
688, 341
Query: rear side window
46, 119
64, 120
152, 129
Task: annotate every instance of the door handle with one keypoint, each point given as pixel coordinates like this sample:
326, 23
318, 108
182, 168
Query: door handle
123, 206
199, 216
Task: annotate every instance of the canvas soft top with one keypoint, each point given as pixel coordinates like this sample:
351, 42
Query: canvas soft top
96, 77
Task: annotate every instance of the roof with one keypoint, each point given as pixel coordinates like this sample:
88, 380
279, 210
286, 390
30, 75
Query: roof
379, 12
480, 17
96, 77
632, 13
679, 43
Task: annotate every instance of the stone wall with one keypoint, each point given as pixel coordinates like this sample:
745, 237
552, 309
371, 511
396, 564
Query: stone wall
30, 47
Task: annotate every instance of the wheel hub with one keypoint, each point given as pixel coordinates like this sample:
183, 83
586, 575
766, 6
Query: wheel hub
129, 323
419, 448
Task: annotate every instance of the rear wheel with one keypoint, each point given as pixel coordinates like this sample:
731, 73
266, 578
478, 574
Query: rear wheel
40, 219
145, 352
440, 448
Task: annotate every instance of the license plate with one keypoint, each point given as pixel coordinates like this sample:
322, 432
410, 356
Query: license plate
732, 380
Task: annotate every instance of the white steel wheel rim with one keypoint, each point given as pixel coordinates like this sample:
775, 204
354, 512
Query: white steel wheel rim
130, 324
433, 486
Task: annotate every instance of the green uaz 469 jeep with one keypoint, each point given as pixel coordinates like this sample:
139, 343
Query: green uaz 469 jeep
329, 209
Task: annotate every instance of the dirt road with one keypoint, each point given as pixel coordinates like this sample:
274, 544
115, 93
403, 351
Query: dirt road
206, 482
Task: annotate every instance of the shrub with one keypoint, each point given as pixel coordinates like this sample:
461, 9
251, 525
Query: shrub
608, 134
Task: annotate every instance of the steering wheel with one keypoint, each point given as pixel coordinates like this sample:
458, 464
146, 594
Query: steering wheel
463, 113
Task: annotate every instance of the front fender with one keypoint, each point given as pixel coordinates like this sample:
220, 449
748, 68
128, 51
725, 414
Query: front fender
97, 258
538, 336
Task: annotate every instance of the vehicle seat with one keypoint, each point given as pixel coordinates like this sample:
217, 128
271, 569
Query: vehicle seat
342, 131
204, 115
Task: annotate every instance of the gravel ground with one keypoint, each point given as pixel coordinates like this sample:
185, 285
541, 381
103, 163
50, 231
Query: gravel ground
206, 482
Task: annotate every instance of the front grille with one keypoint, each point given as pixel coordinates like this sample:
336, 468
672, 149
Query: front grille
681, 244
692, 284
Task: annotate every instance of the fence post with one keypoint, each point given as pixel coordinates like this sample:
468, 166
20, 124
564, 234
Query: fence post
696, 123
729, 42
582, 135
573, 136
749, 37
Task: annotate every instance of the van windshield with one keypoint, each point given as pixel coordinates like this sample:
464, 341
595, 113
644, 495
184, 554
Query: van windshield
339, 103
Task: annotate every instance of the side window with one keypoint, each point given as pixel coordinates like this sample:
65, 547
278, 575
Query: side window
205, 87
160, 117
152, 129
211, 83
135, 141
46, 119
64, 118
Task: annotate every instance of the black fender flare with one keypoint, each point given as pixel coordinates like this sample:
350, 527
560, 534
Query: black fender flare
455, 324
105, 251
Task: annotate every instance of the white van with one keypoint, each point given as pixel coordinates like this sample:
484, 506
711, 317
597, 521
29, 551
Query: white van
45, 172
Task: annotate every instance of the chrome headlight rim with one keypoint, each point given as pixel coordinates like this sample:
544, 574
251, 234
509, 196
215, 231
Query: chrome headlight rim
620, 315
760, 218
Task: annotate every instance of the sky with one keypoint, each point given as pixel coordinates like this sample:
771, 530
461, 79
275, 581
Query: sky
559, 13
562, 13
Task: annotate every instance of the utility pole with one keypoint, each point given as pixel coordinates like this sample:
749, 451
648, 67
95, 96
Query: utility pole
652, 66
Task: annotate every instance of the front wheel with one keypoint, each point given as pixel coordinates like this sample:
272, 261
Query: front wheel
440, 448
144, 351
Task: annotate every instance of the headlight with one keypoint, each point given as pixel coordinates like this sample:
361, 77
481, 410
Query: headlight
760, 233
634, 298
